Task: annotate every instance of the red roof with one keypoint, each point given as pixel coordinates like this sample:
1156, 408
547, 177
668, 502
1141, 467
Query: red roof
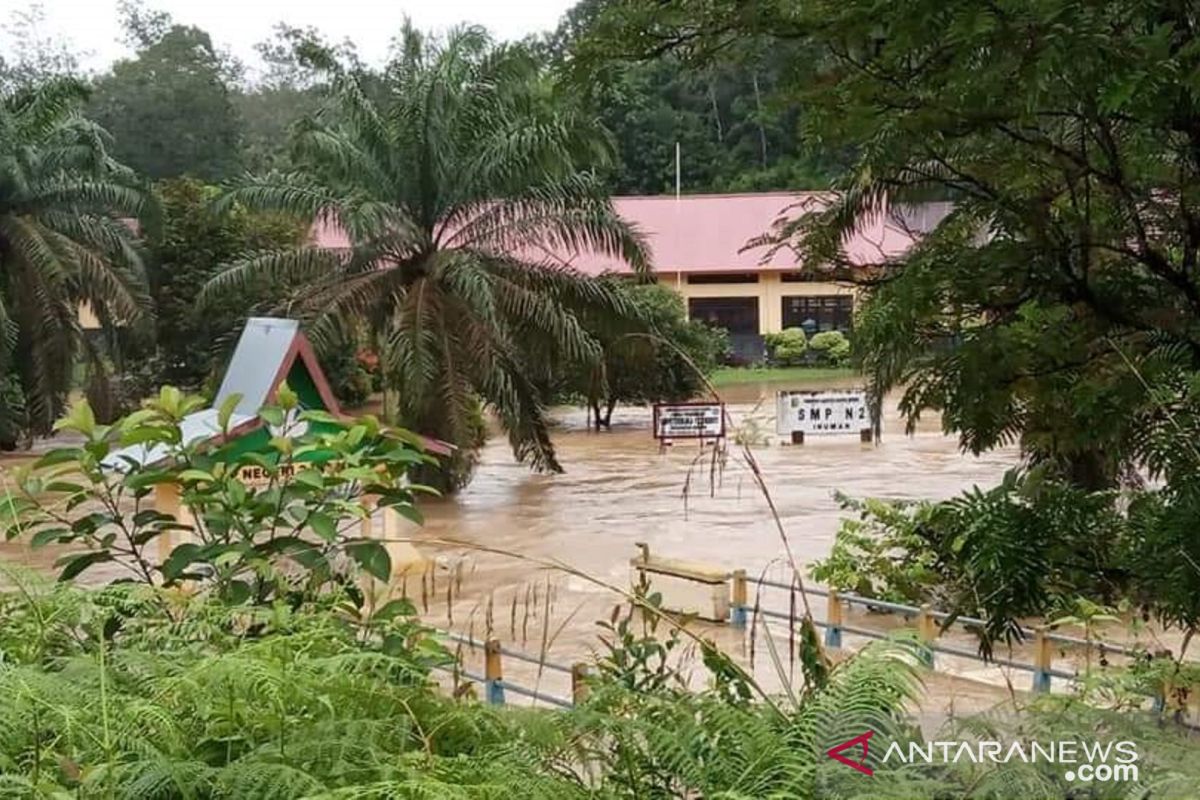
706, 233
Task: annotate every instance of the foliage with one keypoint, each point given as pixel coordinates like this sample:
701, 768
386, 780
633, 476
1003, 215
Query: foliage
188, 251
1028, 547
106, 694
736, 130
290, 90
1166, 767
14, 418
34, 58
292, 534
352, 370
831, 347
170, 108
136, 691
656, 355
786, 348
1033, 546
1162, 553
634, 656
1063, 133
452, 188
883, 552
60, 245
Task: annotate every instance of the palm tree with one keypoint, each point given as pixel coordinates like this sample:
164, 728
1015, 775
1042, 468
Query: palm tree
460, 187
63, 244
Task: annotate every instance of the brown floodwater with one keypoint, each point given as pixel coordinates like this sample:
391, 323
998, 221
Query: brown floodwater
621, 488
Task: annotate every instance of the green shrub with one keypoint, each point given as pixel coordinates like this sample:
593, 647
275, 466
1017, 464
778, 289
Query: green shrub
293, 534
786, 348
880, 552
831, 347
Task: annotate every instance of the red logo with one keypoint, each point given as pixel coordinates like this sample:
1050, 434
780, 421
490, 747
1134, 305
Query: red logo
836, 752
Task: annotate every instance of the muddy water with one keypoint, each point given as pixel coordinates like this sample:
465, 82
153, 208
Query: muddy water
621, 488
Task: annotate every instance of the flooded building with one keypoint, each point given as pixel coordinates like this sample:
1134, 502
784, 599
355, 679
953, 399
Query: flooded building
700, 246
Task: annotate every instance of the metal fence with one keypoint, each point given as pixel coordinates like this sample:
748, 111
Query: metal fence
929, 624
492, 678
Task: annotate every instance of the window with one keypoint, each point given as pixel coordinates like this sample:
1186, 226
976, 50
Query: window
820, 313
738, 315
724, 277
807, 276
817, 275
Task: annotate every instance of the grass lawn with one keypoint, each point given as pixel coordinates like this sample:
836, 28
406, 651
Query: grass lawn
733, 376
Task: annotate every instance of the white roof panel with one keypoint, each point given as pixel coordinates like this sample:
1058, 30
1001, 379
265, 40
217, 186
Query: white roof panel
197, 426
260, 352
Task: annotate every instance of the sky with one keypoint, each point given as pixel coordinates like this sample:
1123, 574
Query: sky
92, 25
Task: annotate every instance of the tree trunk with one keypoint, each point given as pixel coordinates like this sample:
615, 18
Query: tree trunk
1089, 470
612, 403
594, 412
762, 134
716, 110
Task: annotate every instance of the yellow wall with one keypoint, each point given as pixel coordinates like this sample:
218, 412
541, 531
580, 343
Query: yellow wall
87, 317
769, 290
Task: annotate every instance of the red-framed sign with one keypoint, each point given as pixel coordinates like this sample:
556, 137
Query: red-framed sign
689, 420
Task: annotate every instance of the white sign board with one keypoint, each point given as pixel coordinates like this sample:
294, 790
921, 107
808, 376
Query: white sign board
820, 413
689, 421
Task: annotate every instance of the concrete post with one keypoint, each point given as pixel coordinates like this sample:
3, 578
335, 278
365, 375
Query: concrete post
739, 598
927, 630
579, 686
166, 501
493, 672
833, 618
1042, 653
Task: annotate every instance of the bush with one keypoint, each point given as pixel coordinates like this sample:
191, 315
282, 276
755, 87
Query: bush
786, 348
831, 347
352, 371
1026, 548
295, 533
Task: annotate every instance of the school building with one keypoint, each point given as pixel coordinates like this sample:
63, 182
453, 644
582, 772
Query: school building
699, 247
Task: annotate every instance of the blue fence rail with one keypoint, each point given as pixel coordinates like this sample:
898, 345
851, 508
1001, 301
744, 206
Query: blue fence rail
493, 682
929, 623
852, 599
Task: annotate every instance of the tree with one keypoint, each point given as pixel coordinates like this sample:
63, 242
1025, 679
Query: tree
35, 57
662, 357
170, 108
1067, 277
189, 250
457, 189
736, 130
290, 89
61, 246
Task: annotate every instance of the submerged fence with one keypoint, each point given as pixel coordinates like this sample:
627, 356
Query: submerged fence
735, 608
492, 679
930, 623
927, 625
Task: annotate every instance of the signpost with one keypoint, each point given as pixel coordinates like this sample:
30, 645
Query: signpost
689, 420
803, 414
